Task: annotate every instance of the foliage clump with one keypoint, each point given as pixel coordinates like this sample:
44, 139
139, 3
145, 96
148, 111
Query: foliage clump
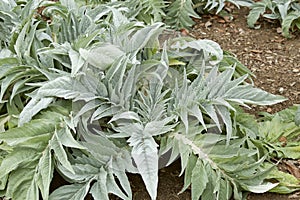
287, 12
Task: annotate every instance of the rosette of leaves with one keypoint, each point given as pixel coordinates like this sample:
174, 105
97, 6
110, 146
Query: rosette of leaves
95, 95
275, 135
287, 12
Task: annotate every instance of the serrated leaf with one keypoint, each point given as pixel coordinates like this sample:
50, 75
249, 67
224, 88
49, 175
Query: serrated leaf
199, 180
179, 14
45, 171
99, 189
248, 94
29, 166
71, 192
145, 157
60, 153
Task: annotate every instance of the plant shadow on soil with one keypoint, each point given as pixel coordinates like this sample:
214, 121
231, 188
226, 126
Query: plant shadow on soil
274, 60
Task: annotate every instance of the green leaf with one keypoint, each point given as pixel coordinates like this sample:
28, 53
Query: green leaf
65, 87
247, 124
288, 21
143, 37
99, 189
60, 153
33, 108
45, 169
180, 13
261, 188
103, 56
76, 60
28, 167
30, 130
222, 162
71, 192
144, 153
287, 182
257, 9
67, 139
199, 180
211, 50
248, 94
17, 159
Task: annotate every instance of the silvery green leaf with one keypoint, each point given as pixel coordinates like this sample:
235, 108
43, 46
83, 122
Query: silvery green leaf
114, 188
248, 94
288, 21
144, 153
283, 8
76, 60
18, 47
29, 163
28, 131
33, 192
16, 159
142, 38
128, 115
199, 180
67, 139
212, 50
257, 9
180, 13
226, 119
65, 87
45, 170
60, 153
71, 192
99, 189
244, 3
261, 188
103, 56
34, 106
22, 178
188, 172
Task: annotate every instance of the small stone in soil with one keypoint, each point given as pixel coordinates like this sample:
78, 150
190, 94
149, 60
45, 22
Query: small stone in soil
281, 90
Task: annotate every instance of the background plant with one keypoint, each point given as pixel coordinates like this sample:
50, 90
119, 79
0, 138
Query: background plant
93, 93
287, 12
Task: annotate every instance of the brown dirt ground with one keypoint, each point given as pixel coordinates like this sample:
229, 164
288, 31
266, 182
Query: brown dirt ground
273, 59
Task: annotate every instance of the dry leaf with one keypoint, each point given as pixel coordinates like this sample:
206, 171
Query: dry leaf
292, 168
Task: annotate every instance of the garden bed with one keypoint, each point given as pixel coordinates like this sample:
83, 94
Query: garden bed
90, 93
